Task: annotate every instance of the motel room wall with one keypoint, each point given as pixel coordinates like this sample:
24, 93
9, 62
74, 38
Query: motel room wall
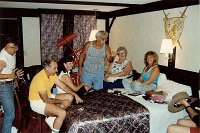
31, 39
140, 33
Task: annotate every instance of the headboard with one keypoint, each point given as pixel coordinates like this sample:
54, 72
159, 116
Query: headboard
185, 77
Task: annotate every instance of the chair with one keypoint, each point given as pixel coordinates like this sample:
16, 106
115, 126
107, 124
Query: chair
26, 111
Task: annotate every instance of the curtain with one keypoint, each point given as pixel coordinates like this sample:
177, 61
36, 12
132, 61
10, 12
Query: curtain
83, 24
51, 31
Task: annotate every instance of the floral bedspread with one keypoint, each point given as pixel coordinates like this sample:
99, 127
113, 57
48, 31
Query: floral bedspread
104, 112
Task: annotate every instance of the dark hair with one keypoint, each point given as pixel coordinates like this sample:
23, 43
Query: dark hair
48, 61
9, 38
61, 62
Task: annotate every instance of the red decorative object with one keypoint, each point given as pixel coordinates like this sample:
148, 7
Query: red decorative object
66, 40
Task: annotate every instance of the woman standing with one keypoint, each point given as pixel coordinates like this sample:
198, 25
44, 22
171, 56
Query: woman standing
91, 69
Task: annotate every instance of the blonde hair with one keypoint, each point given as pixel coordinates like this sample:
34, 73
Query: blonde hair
155, 57
121, 48
101, 33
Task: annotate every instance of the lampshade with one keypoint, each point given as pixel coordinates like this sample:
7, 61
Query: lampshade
92, 35
166, 46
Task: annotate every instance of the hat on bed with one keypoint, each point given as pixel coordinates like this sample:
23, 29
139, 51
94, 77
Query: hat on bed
173, 105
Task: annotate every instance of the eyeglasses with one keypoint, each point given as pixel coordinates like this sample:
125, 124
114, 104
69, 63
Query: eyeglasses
104, 38
121, 53
13, 47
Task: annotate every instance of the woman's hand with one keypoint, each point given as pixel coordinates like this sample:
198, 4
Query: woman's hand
113, 53
87, 87
112, 57
83, 83
78, 99
106, 76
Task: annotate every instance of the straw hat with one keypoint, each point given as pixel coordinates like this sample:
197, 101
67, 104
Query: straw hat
173, 105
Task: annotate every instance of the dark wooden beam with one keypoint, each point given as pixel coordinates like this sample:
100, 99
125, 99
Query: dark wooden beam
113, 19
154, 6
18, 12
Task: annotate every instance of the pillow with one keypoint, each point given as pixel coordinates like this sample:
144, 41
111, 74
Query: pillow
161, 80
172, 88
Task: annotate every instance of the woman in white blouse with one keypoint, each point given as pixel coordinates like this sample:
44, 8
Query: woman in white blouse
120, 68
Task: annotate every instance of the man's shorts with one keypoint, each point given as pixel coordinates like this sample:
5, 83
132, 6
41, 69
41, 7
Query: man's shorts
39, 106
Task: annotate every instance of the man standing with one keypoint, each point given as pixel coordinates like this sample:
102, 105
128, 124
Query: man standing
43, 102
8, 74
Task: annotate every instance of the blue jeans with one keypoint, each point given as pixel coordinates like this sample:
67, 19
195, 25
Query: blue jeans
95, 80
136, 87
7, 100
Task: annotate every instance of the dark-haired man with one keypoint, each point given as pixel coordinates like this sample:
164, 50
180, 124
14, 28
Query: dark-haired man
8, 74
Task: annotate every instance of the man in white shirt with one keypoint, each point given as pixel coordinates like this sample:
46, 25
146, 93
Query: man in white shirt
8, 74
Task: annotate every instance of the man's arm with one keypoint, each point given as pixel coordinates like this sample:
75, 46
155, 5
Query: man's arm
46, 99
81, 58
193, 115
60, 84
65, 88
6, 76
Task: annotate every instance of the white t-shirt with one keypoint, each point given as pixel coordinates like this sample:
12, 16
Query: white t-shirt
59, 90
10, 61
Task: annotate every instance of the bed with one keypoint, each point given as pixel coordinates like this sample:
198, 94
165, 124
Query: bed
104, 112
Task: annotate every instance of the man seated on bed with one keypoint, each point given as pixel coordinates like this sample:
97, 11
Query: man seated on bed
186, 125
43, 102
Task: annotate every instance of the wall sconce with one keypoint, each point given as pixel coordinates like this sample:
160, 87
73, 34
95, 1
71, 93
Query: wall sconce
166, 48
93, 35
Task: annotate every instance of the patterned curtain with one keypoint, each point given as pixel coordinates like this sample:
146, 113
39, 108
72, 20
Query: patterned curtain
83, 24
51, 31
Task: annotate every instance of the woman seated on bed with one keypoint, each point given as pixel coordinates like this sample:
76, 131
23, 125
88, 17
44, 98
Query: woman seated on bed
65, 66
121, 68
149, 77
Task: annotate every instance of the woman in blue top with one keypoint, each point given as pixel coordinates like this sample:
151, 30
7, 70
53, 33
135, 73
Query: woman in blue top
149, 77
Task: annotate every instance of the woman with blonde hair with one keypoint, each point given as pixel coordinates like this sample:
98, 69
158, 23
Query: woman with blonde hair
118, 70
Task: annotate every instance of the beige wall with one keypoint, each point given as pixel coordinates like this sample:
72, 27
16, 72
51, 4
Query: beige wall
100, 24
31, 41
143, 32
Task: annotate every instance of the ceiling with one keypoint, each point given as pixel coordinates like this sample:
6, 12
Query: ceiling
89, 5
103, 8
